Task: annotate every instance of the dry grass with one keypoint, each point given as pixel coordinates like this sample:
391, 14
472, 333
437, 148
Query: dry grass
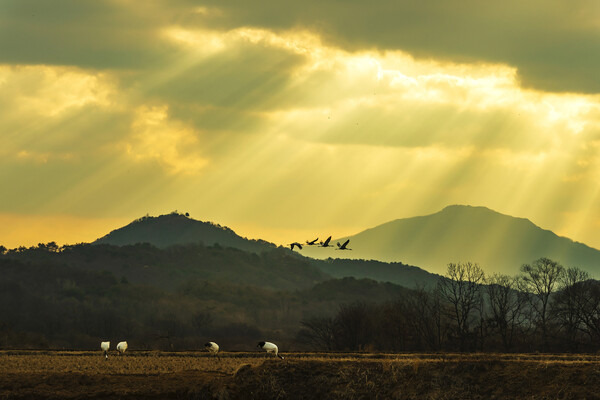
187, 375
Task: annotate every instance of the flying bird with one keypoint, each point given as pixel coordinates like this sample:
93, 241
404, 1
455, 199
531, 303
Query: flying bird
312, 243
343, 246
326, 243
295, 244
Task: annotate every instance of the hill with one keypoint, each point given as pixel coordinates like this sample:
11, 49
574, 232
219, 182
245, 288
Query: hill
175, 228
168, 268
397, 273
498, 242
174, 298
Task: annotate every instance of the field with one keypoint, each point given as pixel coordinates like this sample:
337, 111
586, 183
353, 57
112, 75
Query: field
197, 375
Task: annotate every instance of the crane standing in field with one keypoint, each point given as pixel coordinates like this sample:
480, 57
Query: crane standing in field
105, 346
269, 348
213, 348
121, 347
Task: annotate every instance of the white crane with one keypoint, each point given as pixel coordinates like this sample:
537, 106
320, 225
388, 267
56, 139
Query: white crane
269, 348
212, 347
105, 346
121, 347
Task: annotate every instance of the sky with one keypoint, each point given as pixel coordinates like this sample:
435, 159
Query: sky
291, 120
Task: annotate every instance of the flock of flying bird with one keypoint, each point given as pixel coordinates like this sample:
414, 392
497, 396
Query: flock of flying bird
212, 347
343, 246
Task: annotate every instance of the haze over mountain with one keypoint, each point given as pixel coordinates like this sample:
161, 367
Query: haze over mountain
159, 283
498, 242
178, 229
175, 228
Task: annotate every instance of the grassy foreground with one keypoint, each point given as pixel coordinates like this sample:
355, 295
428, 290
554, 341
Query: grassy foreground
191, 375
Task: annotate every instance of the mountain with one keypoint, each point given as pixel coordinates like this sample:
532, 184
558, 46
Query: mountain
170, 229
172, 298
171, 267
497, 242
179, 230
397, 273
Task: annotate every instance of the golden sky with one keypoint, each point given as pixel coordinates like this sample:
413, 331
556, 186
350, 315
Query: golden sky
288, 120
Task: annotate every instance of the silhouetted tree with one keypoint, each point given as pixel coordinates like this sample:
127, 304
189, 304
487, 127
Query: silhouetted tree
461, 289
319, 333
568, 303
590, 310
506, 307
353, 326
541, 279
426, 317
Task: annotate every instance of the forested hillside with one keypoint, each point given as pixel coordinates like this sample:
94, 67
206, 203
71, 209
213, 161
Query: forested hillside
176, 228
182, 296
401, 274
185, 241
172, 298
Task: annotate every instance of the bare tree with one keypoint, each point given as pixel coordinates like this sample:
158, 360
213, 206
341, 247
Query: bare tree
577, 307
461, 289
541, 279
319, 332
506, 307
590, 309
353, 326
426, 317
568, 304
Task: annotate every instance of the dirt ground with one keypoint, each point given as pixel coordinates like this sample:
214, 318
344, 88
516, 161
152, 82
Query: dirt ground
191, 375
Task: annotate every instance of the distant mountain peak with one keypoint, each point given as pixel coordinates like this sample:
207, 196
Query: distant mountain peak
177, 229
472, 210
459, 233
465, 207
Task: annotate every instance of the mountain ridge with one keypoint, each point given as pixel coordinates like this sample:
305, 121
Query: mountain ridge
500, 243
458, 233
175, 228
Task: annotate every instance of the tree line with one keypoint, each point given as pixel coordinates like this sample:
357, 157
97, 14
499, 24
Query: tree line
546, 308
177, 298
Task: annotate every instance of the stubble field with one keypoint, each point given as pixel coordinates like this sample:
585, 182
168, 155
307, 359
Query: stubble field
197, 375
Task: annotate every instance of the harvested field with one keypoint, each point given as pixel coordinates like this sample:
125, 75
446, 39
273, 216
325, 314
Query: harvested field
196, 375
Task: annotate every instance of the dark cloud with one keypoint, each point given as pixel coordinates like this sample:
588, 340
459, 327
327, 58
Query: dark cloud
227, 92
93, 34
244, 77
553, 44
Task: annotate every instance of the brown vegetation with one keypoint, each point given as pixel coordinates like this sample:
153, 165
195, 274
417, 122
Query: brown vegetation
190, 375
